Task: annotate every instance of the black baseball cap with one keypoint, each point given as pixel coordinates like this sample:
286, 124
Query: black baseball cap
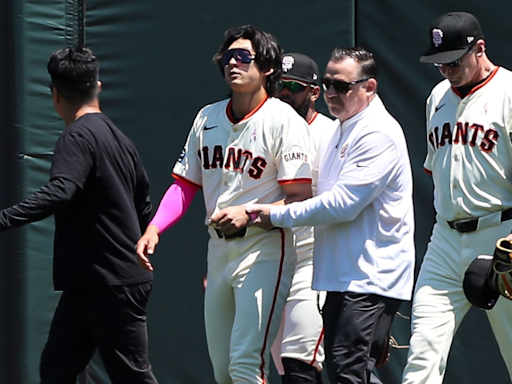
297, 66
451, 37
477, 288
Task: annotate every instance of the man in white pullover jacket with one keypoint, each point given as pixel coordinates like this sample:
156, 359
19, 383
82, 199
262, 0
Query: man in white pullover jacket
363, 217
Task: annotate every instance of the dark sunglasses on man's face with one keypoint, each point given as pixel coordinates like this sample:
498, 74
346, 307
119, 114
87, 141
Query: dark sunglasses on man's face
240, 54
293, 86
340, 86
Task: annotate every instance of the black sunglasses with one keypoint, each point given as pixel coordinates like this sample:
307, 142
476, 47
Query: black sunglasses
340, 86
293, 86
240, 54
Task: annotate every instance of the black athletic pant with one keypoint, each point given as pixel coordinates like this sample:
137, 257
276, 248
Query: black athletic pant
111, 319
356, 327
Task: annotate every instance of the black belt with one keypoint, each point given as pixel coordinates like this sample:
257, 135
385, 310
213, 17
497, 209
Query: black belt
470, 225
240, 233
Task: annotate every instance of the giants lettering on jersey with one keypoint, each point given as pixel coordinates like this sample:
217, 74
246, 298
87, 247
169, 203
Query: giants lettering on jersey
236, 159
465, 134
295, 156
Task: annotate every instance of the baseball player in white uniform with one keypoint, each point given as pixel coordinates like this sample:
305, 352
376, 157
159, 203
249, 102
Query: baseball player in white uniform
251, 147
469, 127
298, 351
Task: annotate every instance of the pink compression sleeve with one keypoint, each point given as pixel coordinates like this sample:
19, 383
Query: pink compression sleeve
174, 204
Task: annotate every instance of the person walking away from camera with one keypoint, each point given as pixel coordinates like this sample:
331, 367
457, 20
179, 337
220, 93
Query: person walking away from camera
99, 194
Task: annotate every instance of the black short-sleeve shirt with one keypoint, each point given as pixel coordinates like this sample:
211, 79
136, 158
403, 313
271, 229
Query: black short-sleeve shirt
96, 231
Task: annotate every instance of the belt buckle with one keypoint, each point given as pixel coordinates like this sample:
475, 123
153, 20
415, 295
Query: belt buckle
218, 232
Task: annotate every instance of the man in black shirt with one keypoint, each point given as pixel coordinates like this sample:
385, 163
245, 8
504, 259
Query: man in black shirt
98, 192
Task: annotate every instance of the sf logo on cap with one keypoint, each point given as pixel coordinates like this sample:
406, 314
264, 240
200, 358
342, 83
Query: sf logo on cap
437, 37
288, 63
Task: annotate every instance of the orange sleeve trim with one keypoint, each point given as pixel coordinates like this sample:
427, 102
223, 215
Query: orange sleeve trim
178, 177
284, 182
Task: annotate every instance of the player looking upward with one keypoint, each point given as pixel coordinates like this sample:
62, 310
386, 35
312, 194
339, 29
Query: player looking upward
251, 147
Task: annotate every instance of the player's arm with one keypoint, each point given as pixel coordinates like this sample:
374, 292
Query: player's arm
231, 219
296, 192
39, 205
171, 209
364, 176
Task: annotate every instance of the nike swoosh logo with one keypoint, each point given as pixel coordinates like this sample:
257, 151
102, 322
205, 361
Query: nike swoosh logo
439, 107
206, 128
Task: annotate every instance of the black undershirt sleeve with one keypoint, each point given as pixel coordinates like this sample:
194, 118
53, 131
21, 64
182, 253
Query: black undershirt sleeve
40, 205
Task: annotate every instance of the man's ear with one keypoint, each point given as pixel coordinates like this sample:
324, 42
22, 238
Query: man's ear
269, 72
315, 93
480, 48
55, 95
371, 85
57, 101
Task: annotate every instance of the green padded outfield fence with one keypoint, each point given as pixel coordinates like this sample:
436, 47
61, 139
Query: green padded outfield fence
155, 65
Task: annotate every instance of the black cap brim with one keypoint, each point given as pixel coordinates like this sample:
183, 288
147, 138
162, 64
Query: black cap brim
298, 78
443, 57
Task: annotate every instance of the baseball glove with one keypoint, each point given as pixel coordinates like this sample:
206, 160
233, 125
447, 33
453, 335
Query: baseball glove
501, 277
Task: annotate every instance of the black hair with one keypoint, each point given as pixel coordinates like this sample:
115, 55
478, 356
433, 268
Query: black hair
268, 53
367, 65
74, 72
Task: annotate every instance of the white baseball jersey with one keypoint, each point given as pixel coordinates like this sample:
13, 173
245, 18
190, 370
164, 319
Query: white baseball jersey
240, 163
249, 278
469, 150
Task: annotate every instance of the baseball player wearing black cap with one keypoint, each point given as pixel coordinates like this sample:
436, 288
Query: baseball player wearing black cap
298, 351
469, 155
